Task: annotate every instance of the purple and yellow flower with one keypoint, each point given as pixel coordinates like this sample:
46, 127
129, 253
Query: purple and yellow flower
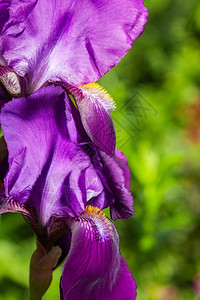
60, 182
62, 167
71, 43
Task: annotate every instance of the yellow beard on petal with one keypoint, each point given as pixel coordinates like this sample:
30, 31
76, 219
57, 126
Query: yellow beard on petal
103, 224
100, 93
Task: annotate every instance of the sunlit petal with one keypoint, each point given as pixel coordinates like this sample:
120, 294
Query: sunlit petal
94, 105
48, 168
73, 41
94, 268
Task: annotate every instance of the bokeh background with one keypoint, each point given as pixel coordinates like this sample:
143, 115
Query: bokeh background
157, 121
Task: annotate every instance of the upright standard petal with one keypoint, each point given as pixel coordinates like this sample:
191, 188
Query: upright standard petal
75, 41
48, 170
94, 268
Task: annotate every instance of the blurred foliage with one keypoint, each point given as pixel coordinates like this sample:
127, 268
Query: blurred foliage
156, 88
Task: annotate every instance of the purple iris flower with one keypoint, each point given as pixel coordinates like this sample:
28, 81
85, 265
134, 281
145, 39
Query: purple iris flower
60, 182
71, 43
63, 167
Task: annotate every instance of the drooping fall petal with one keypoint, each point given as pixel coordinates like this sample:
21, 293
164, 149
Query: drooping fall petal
94, 268
76, 41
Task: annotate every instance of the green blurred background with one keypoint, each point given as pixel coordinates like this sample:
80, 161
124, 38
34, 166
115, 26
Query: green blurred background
157, 121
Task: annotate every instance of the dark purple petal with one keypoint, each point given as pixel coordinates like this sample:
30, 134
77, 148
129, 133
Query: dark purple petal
4, 13
64, 243
121, 160
118, 176
3, 167
3, 97
94, 104
106, 197
94, 268
3, 149
3, 158
48, 169
73, 41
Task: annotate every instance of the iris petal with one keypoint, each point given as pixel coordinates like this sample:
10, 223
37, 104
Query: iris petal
47, 169
94, 268
118, 176
73, 41
94, 104
4, 14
